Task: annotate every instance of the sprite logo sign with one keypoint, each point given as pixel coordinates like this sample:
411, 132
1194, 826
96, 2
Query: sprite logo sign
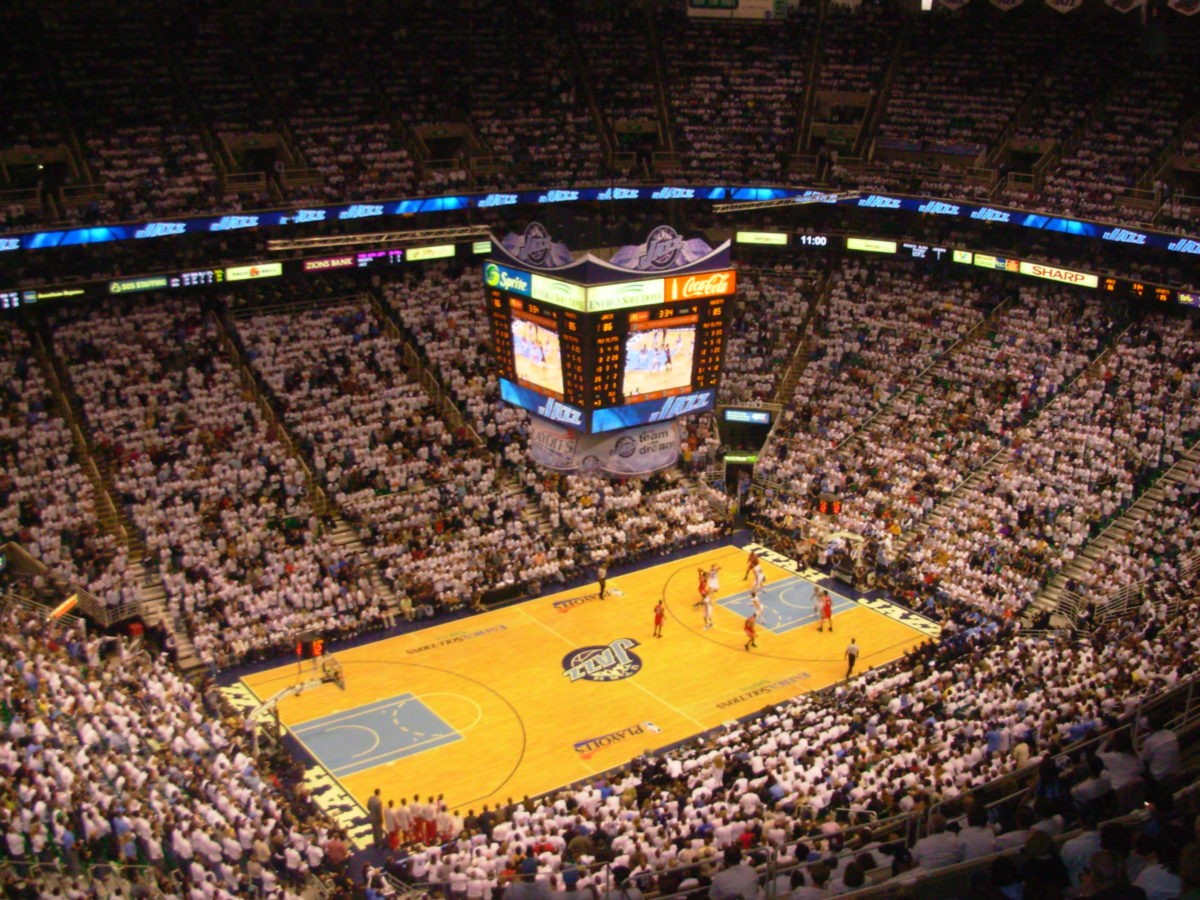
513, 280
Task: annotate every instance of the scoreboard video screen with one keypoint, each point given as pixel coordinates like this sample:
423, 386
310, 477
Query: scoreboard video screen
609, 356
537, 351
658, 355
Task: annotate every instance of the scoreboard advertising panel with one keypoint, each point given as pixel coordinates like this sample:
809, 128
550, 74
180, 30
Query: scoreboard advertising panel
609, 356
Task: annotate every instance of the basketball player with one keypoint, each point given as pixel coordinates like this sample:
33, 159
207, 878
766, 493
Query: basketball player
760, 578
660, 613
707, 601
702, 588
756, 602
750, 631
826, 611
751, 565
714, 581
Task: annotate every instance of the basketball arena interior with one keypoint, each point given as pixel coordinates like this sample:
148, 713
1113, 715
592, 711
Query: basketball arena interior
599, 449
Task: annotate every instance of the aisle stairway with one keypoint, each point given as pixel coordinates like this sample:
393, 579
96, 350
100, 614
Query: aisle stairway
151, 605
344, 533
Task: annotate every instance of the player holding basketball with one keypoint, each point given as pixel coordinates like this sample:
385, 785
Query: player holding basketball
751, 633
660, 613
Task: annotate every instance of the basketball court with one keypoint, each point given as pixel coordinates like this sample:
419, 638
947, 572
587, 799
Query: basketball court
521, 700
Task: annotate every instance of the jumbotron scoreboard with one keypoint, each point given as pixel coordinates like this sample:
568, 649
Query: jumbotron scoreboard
602, 357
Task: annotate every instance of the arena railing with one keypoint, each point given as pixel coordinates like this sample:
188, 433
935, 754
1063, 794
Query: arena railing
13, 597
85, 602
1119, 603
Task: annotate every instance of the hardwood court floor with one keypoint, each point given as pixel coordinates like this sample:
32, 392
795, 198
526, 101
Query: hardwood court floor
486, 709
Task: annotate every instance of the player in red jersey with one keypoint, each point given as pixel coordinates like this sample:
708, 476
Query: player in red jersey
751, 565
702, 587
750, 630
660, 614
826, 611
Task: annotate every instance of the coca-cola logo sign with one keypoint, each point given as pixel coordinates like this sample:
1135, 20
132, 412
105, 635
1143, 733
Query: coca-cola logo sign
706, 284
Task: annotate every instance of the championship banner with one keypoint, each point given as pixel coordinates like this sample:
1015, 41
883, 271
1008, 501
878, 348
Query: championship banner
1185, 7
631, 451
1125, 5
1006, 5
1064, 6
953, 4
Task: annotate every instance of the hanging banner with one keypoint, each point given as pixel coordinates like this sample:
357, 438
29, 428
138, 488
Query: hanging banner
1125, 5
1006, 5
1064, 6
631, 451
953, 4
1185, 7
552, 445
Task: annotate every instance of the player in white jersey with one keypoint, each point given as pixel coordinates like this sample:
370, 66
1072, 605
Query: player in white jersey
714, 581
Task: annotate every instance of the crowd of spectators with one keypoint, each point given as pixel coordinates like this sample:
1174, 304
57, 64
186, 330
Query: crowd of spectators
122, 776
623, 73
1082, 74
47, 502
164, 406
1035, 487
530, 108
855, 47
142, 149
222, 507
1153, 551
875, 335
772, 303
431, 503
735, 122
1122, 143
333, 113
957, 86
345, 94
390, 461
1074, 468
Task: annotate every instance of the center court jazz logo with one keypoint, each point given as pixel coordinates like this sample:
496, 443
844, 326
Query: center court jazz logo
603, 663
